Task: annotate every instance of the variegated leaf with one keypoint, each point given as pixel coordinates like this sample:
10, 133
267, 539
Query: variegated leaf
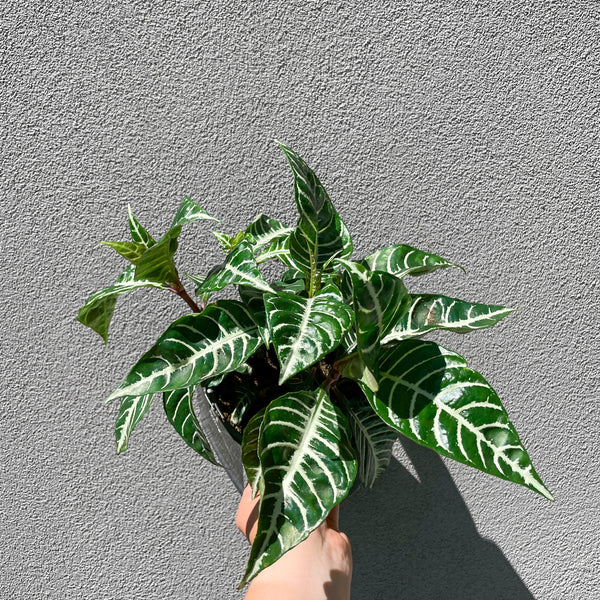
253, 299
373, 440
194, 348
179, 408
98, 309
189, 211
131, 412
427, 312
278, 249
304, 330
430, 395
321, 234
131, 251
198, 280
250, 457
378, 298
228, 242
265, 230
225, 240
401, 260
308, 467
157, 263
138, 233
239, 269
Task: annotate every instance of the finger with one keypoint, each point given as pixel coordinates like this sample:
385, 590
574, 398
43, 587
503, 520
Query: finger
333, 518
247, 514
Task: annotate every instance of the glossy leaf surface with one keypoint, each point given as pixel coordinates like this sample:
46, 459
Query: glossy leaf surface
98, 309
138, 233
179, 408
308, 467
131, 412
131, 251
378, 298
265, 230
401, 260
240, 268
304, 330
373, 441
189, 211
194, 348
250, 458
430, 395
427, 312
278, 249
157, 263
321, 234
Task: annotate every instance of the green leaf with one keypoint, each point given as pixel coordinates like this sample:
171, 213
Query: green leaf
131, 251
98, 309
379, 298
239, 269
157, 263
401, 260
131, 412
373, 440
194, 348
321, 234
138, 233
278, 249
189, 211
308, 467
224, 240
427, 312
253, 299
250, 457
430, 395
179, 409
265, 230
304, 330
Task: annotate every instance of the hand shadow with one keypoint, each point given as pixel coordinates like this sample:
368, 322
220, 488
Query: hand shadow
417, 541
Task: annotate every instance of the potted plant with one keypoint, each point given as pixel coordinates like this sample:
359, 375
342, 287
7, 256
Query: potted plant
314, 374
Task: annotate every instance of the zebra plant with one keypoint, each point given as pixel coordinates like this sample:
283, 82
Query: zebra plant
319, 370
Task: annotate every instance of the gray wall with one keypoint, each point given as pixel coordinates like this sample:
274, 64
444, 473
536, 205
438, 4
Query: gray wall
466, 128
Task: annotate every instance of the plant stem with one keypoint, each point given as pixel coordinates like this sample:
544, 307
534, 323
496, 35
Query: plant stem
180, 291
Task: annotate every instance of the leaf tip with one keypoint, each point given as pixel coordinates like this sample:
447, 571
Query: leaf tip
112, 397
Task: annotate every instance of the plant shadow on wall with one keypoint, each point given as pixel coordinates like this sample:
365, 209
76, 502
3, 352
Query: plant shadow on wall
430, 543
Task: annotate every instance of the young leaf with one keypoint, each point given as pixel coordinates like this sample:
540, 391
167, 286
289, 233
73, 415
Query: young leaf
138, 234
194, 348
304, 330
131, 412
238, 269
373, 440
179, 409
228, 242
430, 395
430, 311
131, 251
98, 309
189, 211
250, 457
401, 260
157, 264
265, 230
321, 234
308, 467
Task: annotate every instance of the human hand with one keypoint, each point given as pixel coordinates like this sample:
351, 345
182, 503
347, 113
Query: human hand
319, 568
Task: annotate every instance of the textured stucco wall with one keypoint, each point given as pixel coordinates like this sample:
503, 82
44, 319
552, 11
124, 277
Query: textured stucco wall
466, 128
